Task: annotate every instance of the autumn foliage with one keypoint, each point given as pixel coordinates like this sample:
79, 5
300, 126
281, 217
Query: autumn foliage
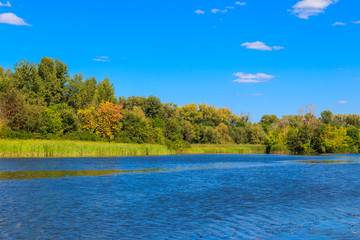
104, 120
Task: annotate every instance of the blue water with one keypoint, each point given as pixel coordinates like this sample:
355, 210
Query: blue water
181, 197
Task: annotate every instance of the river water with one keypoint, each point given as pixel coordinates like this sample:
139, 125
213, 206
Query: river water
181, 197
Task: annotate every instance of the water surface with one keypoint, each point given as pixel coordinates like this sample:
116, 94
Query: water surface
181, 197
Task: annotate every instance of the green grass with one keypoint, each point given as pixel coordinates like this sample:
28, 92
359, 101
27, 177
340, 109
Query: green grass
226, 148
45, 148
64, 148
279, 149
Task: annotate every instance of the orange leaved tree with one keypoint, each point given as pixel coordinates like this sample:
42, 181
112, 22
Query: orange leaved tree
105, 120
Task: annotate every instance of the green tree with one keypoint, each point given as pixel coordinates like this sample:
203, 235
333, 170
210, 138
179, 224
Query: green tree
75, 90
222, 132
136, 129
210, 136
106, 91
354, 135
238, 134
327, 117
173, 130
89, 94
29, 120
330, 139
27, 80
54, 78
255, 133
53, 123
190, 112
188, 131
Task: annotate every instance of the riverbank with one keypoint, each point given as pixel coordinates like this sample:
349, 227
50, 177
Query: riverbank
52, 148
234, 149
58, 148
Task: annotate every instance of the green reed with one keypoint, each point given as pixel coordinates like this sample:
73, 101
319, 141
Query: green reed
225, 148
51, 148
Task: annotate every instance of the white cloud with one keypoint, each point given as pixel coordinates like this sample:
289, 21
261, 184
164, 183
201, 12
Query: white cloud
101, 59
260, 46
255, 94
305, 8
343, 102
339, 24
240, 3
224, 11
7, 4
215, 10
199, 11
357, 22
230, 7
277, 48
252, 78
12, 19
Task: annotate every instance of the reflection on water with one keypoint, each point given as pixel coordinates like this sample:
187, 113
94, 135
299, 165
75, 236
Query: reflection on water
181, 197
8, 175
18, 175
325, 161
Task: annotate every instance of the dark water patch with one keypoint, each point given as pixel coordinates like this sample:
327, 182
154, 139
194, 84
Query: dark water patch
326, 161
18, 175
39, 174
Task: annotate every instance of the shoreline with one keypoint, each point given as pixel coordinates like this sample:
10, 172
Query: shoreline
83, 149
10, 148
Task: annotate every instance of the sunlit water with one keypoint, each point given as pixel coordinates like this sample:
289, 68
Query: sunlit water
181, 197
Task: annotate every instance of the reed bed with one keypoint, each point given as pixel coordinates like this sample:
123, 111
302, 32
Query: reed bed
44, 148
279, 149
64, 148
225, 148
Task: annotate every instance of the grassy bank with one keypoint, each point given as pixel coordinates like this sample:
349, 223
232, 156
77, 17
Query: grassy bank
43, 148
63, 148
233, 149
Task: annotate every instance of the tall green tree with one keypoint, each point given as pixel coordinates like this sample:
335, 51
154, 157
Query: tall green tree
27, 80
54, 79
106, 91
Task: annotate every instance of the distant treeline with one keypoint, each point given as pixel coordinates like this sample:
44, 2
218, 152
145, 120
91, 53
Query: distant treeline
43, 101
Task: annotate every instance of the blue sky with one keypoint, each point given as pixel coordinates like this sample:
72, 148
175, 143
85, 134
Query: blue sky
253, 56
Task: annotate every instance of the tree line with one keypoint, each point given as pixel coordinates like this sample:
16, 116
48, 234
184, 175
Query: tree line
44, 101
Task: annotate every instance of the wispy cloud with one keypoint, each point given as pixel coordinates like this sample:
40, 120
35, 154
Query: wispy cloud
260, 46
339, 24
343, 102
252, 78
217, 10
102, 59
199, 11
7, 4
12, 19
277, 48
256, 94
357, 22
305, 8
240, 3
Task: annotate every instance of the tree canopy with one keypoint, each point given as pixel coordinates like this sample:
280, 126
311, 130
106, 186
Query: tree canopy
44, 101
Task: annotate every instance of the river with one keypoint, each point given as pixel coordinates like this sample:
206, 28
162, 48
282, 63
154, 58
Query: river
181, 197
